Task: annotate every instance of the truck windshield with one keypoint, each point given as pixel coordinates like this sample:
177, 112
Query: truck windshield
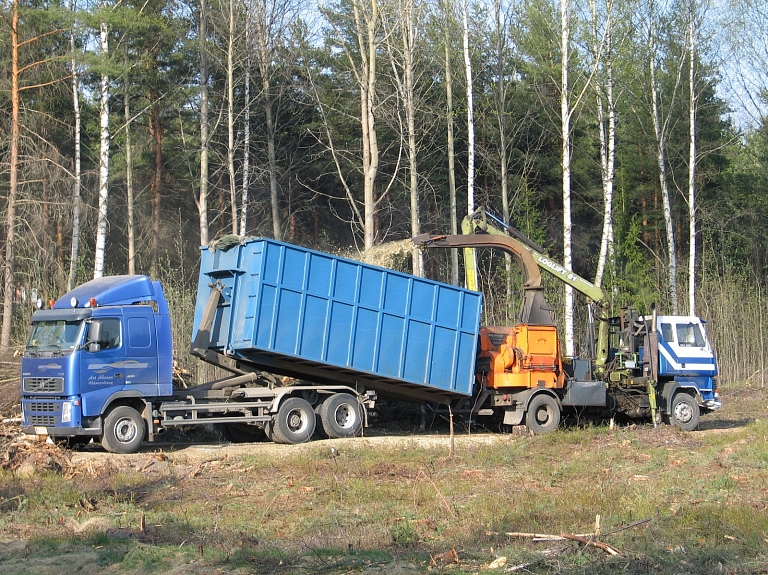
54, 335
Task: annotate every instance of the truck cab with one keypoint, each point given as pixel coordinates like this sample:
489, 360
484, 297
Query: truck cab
686, 357
105, 344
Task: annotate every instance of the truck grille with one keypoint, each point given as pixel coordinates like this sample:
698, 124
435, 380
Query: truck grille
39, 406
43, 384
42, 420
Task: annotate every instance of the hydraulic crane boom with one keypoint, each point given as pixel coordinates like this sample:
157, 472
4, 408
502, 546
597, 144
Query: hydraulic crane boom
478, 232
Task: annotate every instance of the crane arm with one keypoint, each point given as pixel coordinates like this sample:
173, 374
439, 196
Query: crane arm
534, 309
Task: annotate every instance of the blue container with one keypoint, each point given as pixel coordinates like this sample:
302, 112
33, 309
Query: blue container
314, 316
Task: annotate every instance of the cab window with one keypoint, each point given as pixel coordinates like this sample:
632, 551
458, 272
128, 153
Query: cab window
110, 333
689, 335
667, 333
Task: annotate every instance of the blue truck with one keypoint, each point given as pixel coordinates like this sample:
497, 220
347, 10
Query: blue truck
98, 363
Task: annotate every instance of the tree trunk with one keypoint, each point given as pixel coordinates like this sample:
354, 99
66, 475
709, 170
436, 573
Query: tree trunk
77, 181
660, 133
231, 116
129, 178
691, 163
10, 215
607, 141
470, 114
274, 198
202, 198
101, 222
451, 151
156, 132
246, 134
565, 118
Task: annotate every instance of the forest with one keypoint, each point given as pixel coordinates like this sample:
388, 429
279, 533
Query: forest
627, 137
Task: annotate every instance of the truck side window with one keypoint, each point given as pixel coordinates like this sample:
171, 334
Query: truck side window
689, 335
110, 333
666, 332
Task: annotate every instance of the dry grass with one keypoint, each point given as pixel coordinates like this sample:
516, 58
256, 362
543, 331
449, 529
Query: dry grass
381, 503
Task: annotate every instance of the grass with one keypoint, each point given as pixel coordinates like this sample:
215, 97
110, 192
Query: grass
372, 506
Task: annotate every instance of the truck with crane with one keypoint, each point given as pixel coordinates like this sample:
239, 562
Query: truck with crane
660, 367
98, 362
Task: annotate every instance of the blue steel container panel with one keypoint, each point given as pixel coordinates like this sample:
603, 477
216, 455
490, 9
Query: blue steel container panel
283, 301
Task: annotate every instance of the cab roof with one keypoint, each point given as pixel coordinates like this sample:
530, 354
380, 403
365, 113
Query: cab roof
112, 290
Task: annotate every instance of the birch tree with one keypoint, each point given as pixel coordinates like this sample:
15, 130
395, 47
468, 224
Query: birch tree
565, 127
602, 37
402, 53
201, 198
77, 175
660, 129
104, 141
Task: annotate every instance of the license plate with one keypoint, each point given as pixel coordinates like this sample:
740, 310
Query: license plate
41, 431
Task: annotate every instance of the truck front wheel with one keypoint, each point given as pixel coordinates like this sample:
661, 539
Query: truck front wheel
543, 415
294, 422
341, 416
123, 430
685, 412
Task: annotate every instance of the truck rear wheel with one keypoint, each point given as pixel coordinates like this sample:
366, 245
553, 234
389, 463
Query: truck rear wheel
123, 430
341, 416
685, 412
543, 415
294, 422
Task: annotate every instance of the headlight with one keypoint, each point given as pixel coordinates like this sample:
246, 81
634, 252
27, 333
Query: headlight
66, 412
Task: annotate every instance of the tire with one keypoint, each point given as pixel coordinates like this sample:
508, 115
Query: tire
685, 412
241, 433
341, 416
543, 414
294, 422
124, 430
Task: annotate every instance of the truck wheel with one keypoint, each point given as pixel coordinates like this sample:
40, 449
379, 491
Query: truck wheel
685, 412
123, 430
543, 415
294, 422
340, 416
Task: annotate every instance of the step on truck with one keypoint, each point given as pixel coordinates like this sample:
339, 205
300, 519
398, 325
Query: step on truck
98, 363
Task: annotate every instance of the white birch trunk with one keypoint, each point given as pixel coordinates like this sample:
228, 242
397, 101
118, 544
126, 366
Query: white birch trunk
660, 133
246, 133
129, 183
691, 164
565, 118
202, 198
231, 116
470, 114
78, 179
607, 143
101, 221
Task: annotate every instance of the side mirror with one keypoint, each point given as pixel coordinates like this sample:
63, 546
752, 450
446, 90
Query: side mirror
94, 337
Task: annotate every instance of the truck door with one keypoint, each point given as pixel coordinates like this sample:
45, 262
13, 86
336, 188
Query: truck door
102, 369
684, 349
141, 362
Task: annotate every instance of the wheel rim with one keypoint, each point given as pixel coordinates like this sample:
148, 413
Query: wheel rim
544, 415
345, 416
297, 421
683, 412
125, 430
